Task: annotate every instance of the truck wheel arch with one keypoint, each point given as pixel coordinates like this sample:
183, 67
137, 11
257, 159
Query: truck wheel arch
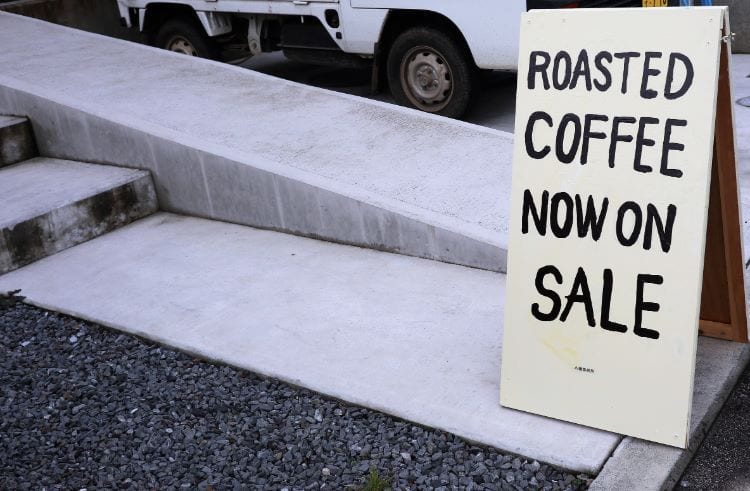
157, 14
397, 21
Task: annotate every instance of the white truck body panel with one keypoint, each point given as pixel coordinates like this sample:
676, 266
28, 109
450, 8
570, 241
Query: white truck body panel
215, 23
361, 29
490, 27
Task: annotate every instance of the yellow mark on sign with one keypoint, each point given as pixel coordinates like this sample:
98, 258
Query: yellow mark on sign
655, 3
562, 346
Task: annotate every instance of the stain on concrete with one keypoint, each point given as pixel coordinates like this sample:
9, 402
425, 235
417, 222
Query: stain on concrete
106, 207
16, 143
25, 242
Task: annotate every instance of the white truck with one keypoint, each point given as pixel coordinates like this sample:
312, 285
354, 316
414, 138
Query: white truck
428, 52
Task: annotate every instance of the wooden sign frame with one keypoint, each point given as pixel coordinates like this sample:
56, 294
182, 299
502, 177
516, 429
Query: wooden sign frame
723, 309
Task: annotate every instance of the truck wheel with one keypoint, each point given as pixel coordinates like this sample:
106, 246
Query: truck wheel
430, 71
184, 36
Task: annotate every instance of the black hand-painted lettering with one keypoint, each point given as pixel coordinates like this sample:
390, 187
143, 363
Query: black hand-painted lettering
641, 141
641, 306
538, 64
626, 57
648, 72
607, 323
561, 202
529, 136
580, 293
663, 230
539, 216
669, 145
582, 69
617, 137
562, 58
588, 220
546, 292
689, 75
630, 238
599, 60
562, 155
588, 134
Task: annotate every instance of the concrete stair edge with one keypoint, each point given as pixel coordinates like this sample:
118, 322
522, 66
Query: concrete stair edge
16, 140
76, 221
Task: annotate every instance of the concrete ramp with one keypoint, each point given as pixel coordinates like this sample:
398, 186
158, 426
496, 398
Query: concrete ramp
230, 144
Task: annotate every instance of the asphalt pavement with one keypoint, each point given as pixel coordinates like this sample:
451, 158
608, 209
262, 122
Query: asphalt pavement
494, 107
723, 460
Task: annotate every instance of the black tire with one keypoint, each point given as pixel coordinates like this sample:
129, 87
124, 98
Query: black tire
431, 71
185, 36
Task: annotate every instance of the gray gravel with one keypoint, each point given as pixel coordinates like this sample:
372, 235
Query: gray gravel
723, 460
86, 407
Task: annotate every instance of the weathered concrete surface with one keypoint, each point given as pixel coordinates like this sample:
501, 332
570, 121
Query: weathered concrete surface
16, 140
48, 205
229, 144
415, 338
98, 16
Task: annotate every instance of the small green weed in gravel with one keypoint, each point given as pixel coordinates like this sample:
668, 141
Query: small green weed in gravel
375, 482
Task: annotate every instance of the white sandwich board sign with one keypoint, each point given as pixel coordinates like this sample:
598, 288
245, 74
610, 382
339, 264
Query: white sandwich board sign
615, 119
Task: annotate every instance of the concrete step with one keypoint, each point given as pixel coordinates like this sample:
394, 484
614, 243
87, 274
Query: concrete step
16, 140
47, 205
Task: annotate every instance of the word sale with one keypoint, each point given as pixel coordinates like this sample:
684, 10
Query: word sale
580, 293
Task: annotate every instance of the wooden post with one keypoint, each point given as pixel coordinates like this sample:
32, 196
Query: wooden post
723, 310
